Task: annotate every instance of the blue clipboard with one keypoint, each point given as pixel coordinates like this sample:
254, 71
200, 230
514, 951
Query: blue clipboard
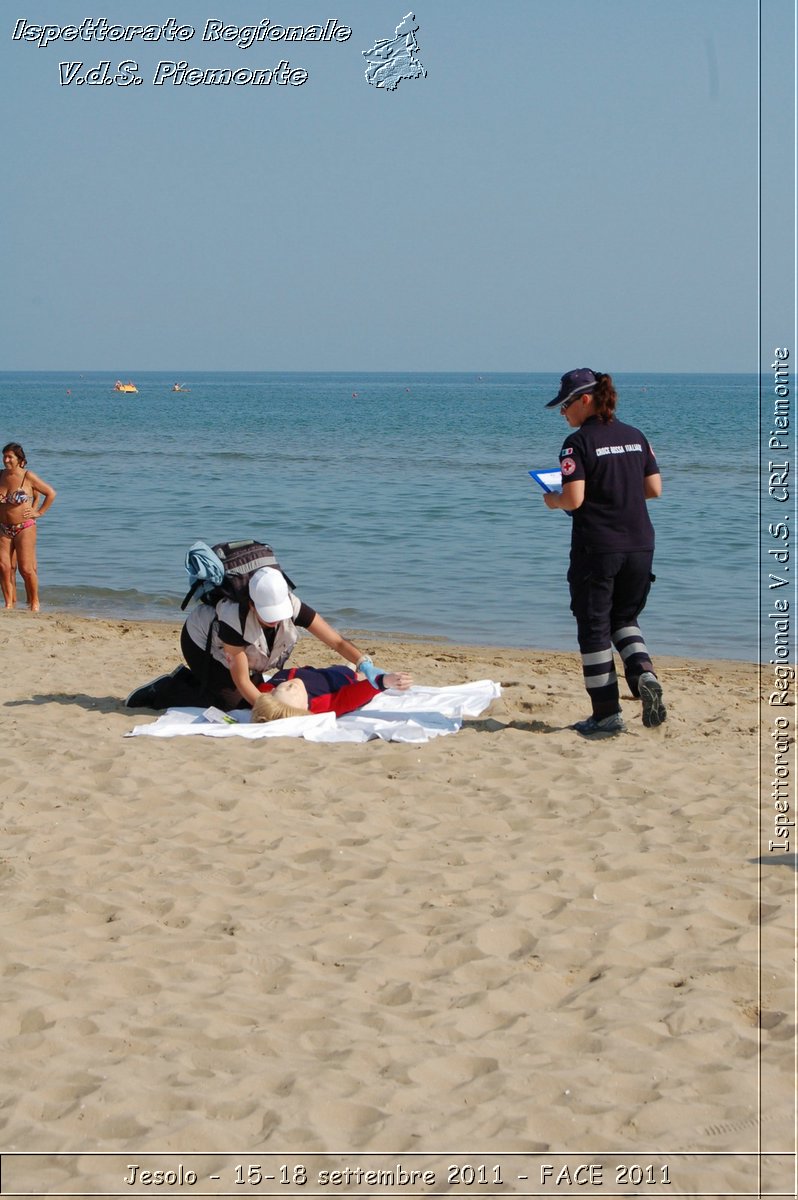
550, 480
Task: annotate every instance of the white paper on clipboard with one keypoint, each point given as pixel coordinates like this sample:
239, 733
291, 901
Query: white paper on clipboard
550, 480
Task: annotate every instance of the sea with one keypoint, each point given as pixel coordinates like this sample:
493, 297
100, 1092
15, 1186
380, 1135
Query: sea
398, 503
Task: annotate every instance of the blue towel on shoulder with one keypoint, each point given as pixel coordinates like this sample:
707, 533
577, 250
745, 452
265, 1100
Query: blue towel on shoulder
204, 568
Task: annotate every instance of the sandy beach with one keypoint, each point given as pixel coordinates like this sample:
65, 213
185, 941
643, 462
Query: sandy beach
509, 939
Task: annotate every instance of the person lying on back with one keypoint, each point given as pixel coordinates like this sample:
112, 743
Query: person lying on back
302, 690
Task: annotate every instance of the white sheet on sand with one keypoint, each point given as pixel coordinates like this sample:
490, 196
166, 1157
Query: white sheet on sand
416, 715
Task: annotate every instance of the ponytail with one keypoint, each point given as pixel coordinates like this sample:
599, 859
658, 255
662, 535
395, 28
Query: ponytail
605, 398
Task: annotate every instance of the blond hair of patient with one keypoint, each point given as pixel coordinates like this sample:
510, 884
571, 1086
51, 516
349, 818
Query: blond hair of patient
268, 707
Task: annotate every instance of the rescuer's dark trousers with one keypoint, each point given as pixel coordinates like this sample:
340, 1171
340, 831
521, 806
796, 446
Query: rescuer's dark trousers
608, 593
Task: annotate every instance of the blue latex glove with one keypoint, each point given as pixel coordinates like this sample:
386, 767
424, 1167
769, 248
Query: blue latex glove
367, 668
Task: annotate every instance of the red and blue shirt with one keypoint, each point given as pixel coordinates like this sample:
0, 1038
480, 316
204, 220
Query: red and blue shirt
330, 689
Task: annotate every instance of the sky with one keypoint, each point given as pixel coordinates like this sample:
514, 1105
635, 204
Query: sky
574, 181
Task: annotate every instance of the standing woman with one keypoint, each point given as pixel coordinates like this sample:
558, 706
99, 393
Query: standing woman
609, 472
19, 515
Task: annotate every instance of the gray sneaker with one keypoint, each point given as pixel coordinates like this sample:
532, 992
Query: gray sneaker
601, 727
654, 710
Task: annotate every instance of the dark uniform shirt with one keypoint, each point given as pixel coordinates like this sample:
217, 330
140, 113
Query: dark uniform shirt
613, 460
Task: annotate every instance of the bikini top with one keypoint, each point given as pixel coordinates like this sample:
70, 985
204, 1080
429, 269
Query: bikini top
17, 497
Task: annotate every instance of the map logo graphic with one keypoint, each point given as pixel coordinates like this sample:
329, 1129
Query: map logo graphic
390, 60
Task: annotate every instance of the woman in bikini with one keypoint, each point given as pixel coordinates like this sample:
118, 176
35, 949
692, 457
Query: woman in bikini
19, 488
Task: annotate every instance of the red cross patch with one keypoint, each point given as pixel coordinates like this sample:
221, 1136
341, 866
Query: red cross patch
567, 466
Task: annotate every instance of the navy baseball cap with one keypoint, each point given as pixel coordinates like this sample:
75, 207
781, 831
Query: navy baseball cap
573, 384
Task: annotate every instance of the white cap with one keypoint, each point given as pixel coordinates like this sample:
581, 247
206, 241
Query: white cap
269, 593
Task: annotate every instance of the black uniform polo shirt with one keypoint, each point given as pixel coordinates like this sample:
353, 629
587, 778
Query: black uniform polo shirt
613, 460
